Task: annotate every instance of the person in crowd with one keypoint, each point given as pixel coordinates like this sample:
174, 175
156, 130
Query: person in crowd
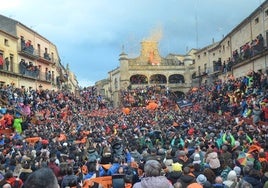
17, 124
152, 176
187, 177
53, 166
115, 166
252, 176
25, 171
9, 178
180, 130
42, 178
212, 160
70, 179
218, 182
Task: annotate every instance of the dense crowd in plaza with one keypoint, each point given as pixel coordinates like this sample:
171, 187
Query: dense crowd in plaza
220, 140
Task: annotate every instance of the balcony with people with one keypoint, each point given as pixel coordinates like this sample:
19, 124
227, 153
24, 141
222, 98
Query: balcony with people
27, 49
175, 79
158, 79
45, 57
28, 69
138, 79
5, 64
245, 52
249, 50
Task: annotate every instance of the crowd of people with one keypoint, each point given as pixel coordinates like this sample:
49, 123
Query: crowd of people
218, 141
28, 69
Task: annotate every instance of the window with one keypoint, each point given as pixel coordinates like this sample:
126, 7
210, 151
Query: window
52, 57
223, 48
206, 68
205, 53
213, 54
266, 12
198, 56
6, 42
11, 57
228, 43
39, 49
256, 20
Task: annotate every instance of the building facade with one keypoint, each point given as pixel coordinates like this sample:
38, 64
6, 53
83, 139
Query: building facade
33, 61
240, 52
149, 69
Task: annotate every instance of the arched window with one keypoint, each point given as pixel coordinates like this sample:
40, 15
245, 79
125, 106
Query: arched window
176, 78
138, 79
158, 79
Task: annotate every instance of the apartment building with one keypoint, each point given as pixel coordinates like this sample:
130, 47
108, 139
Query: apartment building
34, 61
240, 52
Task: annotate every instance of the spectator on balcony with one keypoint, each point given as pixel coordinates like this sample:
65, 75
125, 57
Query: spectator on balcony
29, 47
46, 55
7, 63
28, 43
36, 71
229, 65
224, 68
52, 76
260, 42
246, 51
1, 62
22, 66
49, 75
46, 74
235, 55
22, 42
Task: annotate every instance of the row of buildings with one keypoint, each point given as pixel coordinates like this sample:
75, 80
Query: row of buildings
241, 51
30, 61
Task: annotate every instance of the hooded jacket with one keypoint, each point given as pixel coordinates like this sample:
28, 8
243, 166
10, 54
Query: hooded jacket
213, 160
186, 179
68, 179
155, 182
253, 181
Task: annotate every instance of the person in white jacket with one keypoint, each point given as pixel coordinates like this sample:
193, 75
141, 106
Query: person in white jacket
152, 176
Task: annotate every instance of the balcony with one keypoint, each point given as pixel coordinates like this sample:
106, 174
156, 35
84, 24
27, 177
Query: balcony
35, 73
44, 57
36, 54
28, 52
63, 77
201, 73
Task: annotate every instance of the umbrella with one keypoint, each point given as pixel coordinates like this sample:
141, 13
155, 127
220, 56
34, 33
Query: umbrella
243, 158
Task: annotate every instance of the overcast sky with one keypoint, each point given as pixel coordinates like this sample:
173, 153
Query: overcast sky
89, 34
